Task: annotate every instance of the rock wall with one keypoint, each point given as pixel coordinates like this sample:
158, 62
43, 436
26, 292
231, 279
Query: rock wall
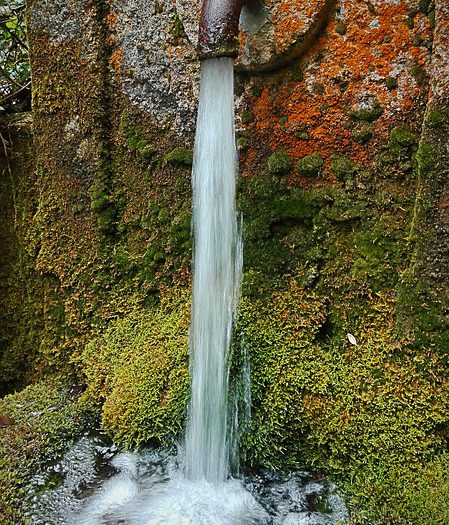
342, 132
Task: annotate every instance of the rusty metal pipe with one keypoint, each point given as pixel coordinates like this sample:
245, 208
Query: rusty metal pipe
219, 27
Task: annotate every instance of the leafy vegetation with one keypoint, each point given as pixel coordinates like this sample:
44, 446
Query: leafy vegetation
15, 81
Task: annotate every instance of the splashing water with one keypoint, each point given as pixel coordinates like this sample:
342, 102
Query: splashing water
99, 486
217, 272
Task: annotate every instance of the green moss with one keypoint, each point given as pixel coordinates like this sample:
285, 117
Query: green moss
343, 167
279, 373
257, 90
380, 252
371, 8
417, 40
367, 114
180, 156
302, 135
437, 119
426, 157
26, 293
425, 6
279, 163
418, 73
354, 409
402, 136
310, 165
362, 133
297, 74
139, 369
391, 83
247, 117
242, 140
410, 20
103, 207
421, 309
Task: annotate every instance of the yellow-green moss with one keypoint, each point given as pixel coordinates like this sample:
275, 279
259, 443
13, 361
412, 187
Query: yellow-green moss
138, 368
371, 412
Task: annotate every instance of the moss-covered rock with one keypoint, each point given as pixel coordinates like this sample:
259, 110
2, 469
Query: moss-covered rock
343, 167
138, 368
362, 133
368, 112
353, 405
437, 118
310, 165
45, 418
403, 136
279, 163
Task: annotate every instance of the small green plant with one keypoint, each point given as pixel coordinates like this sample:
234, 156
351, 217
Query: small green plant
177, 30
391, 83
279, 163
310, 164
180, 156
362, 133
341, 28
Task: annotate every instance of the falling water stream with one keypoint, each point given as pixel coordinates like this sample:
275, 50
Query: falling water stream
97, 485
216, 272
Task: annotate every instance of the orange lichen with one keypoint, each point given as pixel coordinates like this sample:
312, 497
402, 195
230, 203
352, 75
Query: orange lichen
340, 71
290, 20
111, 20
116, 60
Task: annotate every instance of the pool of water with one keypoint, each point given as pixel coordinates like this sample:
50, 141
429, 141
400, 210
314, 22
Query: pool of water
96, 484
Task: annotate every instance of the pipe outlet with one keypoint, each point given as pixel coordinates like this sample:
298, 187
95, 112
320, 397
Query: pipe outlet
219, 28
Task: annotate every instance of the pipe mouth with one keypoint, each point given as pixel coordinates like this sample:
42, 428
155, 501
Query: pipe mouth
218, 50
219, 28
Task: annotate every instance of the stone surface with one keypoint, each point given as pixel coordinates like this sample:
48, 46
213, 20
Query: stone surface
157, 63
